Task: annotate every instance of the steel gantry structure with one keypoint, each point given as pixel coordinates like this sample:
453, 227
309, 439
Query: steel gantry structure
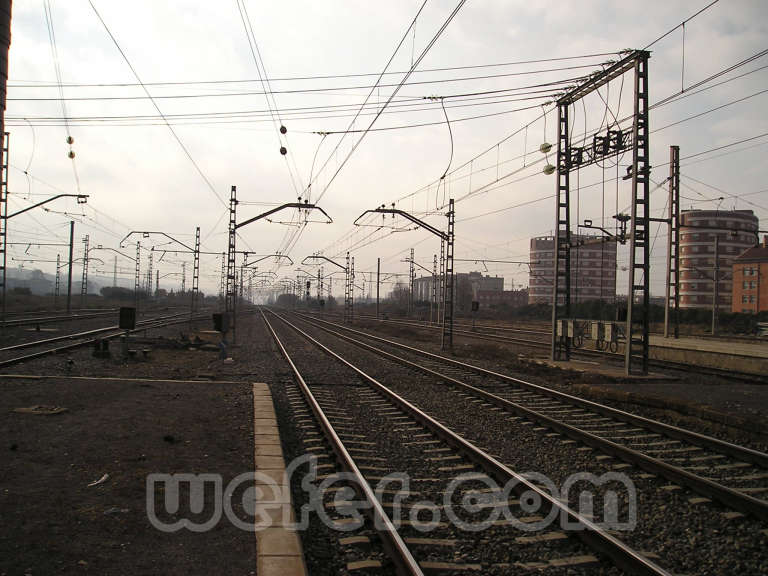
446, 249
348, 280
195, 251
5, 216
230, 288
569, 158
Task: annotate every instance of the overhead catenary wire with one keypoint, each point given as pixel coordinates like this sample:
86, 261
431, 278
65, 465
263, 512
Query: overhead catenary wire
146, 91
415, 64
62, 100
274, 112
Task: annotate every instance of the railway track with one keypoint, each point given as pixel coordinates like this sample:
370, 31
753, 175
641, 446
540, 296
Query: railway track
85, 338
734, 475
40, 320
611, 356
374, 432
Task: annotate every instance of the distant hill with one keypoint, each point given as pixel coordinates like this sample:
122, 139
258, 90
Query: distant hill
41, 284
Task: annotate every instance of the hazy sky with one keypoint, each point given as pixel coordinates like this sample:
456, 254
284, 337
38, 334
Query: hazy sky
139, 176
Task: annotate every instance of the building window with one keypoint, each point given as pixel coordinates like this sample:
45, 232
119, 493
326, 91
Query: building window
743, 299
751, 299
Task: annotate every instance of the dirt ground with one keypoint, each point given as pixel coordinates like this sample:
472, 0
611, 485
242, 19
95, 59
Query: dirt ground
120, 426
120, 429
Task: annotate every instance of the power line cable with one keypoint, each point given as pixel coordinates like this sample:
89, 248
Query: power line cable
683, 23
32, 84
394, 92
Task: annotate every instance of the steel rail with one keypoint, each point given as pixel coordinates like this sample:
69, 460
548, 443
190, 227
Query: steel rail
77, 334
155, 323
737, 500
624, 556
612, 356
53, 319
394, 544
735, 450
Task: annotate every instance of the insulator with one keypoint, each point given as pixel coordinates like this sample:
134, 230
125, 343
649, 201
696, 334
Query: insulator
283, 129
545, 147
71, 154
548, 169
283, 150
70, 140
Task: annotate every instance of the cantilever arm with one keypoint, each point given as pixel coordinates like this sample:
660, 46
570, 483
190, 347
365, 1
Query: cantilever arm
100, 247
278, 256
404, 214
318, 257
81, 199
419, 265
305, 206
146, 234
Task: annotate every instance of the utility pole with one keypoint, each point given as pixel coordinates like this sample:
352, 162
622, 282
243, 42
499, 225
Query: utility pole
378, 284
183, 277
114, 274
716, 287
672, 296
69, 272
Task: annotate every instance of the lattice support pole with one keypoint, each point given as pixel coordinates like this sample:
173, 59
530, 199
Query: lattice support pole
150, 264
411, 276
58, 282
636, 331
4, 217
84, 278
352, 290
447, 337
347, 305
195, 272
230, 296
137, 277
183, 277
433, 300
672, 302
441, 283
223, 277
561, 292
